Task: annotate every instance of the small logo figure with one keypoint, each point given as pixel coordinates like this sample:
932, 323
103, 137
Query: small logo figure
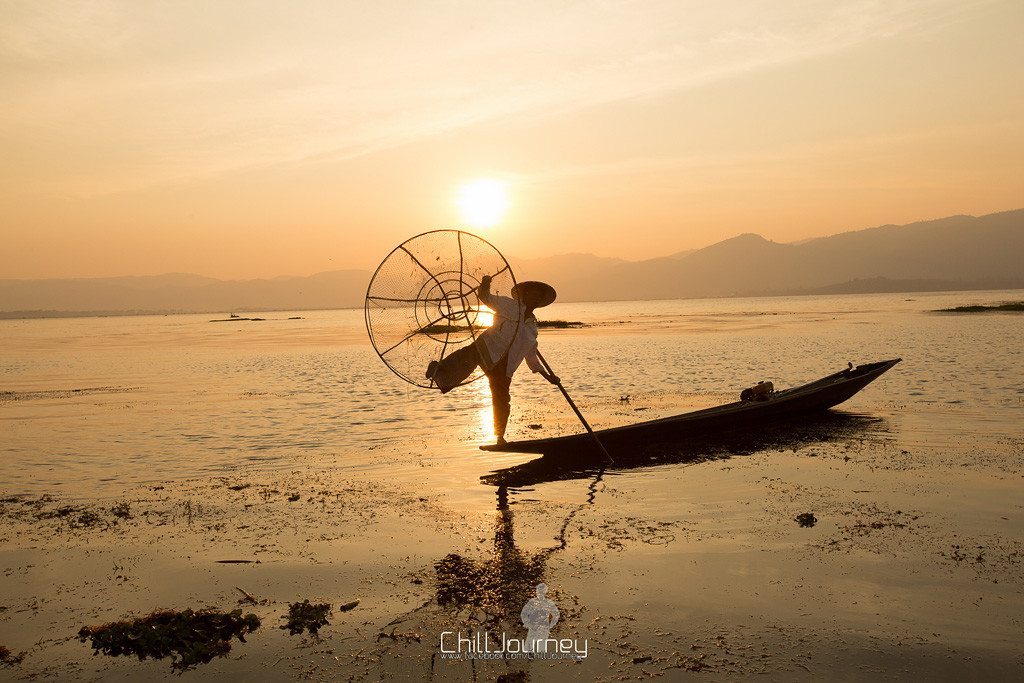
539, 616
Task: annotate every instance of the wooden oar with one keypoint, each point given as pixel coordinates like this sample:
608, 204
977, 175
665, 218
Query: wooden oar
572, 404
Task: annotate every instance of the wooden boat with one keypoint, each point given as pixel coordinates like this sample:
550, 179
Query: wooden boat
811, 429
806, 399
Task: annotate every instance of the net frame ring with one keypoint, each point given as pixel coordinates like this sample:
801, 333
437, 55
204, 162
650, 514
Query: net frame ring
449, 287
448, 295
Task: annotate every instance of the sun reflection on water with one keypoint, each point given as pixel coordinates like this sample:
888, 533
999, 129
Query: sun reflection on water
484, 317
484, 415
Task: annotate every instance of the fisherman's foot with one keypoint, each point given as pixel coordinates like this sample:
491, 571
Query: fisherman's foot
431, 369
501, 441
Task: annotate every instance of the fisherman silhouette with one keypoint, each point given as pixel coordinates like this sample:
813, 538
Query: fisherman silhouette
539, 616
500, 348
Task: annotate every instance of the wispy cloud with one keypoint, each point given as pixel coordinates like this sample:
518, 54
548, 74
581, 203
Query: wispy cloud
128, 94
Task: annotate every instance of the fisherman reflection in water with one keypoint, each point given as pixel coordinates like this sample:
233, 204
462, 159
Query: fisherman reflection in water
501, 348
501, 584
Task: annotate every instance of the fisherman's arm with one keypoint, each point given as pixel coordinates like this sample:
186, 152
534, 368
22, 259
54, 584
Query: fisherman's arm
533, 361
483, 292
503, 307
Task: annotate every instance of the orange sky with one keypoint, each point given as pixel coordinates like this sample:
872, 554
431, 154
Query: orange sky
258, 139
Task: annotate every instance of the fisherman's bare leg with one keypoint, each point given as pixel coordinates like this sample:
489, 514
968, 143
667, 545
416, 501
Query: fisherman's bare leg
501, 399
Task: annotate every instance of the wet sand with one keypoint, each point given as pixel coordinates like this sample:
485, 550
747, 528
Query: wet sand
688, 561
698, 566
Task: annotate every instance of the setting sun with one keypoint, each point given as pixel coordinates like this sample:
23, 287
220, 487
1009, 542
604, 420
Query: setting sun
483, 203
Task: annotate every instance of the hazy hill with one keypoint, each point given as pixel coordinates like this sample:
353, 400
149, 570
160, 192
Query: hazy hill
176, 292
960, 252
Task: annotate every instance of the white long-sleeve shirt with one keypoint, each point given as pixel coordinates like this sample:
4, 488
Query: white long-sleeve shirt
510, 319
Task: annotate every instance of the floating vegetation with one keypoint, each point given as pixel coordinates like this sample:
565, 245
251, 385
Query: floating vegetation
864, 528
305, 616
442, 329
806, 519
543, 324
46, 508
8, 658
77, 517
560, 324
188, 638
1013, 306
617, 537
409, 637
236, 319
872, 522
87, 518
962, 554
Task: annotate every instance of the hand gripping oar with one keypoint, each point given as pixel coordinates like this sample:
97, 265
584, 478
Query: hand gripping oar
572, 404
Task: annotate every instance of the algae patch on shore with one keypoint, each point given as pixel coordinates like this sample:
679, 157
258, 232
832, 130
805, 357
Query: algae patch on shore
306, 616
806, 519
188, 637
8, 658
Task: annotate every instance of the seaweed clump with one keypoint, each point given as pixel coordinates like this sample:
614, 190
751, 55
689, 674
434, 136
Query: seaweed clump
77, 517
306, 616
8, 658
806, 519
514, 677
188, 638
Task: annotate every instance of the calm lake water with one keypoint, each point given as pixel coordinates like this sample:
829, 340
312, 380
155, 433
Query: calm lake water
90, 401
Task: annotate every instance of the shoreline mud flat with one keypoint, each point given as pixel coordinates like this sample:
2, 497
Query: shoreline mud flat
702, 566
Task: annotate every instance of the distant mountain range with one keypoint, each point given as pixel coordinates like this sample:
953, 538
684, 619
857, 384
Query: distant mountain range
179, 293
960, 252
